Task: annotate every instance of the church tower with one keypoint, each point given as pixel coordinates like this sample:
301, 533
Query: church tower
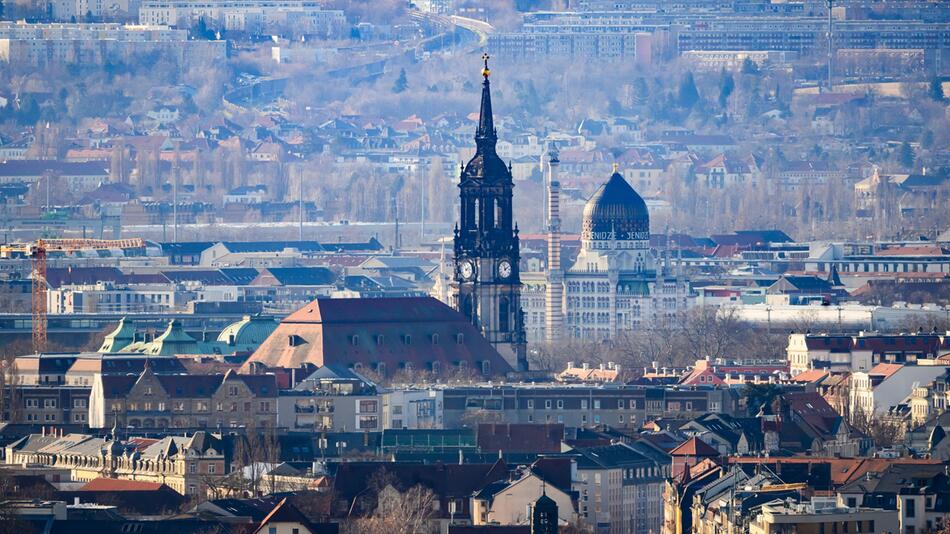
486, 244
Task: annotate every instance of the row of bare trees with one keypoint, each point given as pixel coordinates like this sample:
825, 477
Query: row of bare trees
701, 332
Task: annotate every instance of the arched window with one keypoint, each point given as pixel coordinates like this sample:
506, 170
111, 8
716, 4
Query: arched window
503, 313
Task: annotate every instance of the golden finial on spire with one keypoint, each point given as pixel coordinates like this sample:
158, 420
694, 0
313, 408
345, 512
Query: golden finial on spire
485, 71
616, 167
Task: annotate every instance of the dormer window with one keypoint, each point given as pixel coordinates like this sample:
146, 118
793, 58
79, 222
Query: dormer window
459, 338
407, 339
354, 340
435, 339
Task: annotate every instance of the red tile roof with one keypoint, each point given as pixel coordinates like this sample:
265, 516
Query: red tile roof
885, 369
393, 331
694, 447
811, 375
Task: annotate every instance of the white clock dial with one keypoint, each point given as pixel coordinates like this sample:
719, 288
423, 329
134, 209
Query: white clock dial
466, 270
504, 269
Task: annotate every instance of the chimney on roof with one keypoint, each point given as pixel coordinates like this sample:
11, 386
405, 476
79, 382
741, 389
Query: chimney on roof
585, 365
570, 365
602, 367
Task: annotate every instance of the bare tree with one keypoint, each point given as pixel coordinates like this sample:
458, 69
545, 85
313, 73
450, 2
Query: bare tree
407, 512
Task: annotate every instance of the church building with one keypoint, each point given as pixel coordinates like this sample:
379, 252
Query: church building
487, 281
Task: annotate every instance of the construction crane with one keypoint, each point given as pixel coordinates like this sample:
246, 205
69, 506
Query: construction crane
38, 252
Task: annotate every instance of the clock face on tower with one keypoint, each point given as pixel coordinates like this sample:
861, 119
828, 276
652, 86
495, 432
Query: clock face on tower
467, 270
504, 269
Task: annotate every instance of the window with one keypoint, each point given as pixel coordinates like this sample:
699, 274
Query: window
212, 468
547, 404
79, 403
459, 339
232, 391
193, 467
530, 404
354, 340
407, 339
49, 403
368, 406
32, 403
368, 422
910, 508
583, 404
271, 530
560, 404
620, 404
597, 404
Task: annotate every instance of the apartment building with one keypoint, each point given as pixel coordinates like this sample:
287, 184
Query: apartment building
624, 407
619, 489
846, 353
153, 401
255, 16
333, 398
40, 44
46, 404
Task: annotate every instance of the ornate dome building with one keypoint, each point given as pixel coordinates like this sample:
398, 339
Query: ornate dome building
615, 284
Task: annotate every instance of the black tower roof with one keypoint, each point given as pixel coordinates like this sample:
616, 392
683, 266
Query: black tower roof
616, 207
486, 165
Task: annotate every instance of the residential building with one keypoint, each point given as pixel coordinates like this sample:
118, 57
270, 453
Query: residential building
41, 44
838, 353
874, 391
186, 464
913, 493
158, 401
304, 17
335, 399
579, 406
620, 490
818, 516
52, 404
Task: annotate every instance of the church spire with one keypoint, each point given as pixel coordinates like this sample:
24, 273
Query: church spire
485, 135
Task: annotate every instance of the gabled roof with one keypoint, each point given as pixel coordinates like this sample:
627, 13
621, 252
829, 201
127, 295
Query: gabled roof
284, 512
694, 447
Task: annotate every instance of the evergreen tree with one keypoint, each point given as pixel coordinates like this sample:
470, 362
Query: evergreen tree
726, 86
749, 67
688, 94
907, 155
29, 110
936, 90
401, 83
641, 91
